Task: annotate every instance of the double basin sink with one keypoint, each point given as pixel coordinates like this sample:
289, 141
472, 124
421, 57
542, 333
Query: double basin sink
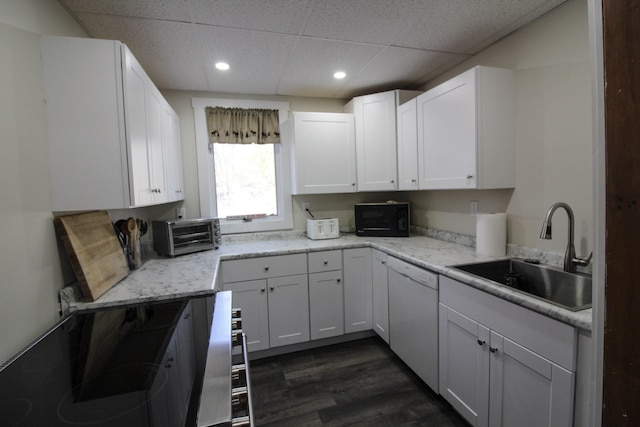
568, 290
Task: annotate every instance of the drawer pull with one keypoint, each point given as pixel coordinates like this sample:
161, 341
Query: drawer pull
481, 342
493, 349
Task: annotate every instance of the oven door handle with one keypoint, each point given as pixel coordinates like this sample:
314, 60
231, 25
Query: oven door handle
245, 421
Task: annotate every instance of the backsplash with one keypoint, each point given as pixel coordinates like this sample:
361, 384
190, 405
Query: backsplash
513, 250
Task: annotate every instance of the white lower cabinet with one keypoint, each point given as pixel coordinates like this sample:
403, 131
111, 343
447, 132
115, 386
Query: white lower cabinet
275, 308
251, 298
380, 284
326, 304
326, 296
413, 318
170, 392
494, 380
357, 289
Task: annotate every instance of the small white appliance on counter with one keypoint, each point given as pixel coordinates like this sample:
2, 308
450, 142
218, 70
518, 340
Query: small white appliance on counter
323, 228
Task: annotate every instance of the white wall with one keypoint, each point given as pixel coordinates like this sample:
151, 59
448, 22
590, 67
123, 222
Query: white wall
30, 268
553, 142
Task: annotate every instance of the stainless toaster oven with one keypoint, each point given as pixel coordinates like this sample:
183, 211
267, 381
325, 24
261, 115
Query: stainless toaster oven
172, 238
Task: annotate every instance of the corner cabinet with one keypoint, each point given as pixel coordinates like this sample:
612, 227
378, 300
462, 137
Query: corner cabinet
407, 117
466, 131
501, 364
324, 152
358, 298
380, 286
376, 150
106, 127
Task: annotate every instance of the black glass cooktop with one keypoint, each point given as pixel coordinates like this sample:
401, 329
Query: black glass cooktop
93, 368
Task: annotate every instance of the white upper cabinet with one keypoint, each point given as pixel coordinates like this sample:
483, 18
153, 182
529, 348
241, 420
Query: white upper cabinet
173, 154
466, 132
105, 127
376, 136
407, 126
324, 152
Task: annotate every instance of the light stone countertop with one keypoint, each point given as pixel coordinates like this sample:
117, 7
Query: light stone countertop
195, 274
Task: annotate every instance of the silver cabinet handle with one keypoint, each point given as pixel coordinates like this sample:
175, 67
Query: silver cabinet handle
266, 268
326, 262
481, 342
493, 349
469, 176
271, 288
338, 280
262, 290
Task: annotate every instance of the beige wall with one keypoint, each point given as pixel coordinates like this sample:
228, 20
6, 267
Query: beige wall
30, 268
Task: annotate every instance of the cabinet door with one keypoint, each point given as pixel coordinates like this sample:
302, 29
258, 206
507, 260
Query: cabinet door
447, 134
324, 153
413, 318
407, 118
527, 389
135, 102
85, 123
326, 308
251, 298
186, 356
173, 154
375, 117
288, 310
380, 294
464, 365
166, 407
357, 289
155, 146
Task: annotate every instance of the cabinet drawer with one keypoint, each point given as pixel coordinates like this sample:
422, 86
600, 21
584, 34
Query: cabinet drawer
325, 261
239, 270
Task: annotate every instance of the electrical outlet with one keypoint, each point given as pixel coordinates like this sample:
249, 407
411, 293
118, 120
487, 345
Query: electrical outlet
474, 207
305, 206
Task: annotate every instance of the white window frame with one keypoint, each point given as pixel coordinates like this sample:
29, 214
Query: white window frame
206, 173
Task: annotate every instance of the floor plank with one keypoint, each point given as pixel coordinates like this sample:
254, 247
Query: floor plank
359, 383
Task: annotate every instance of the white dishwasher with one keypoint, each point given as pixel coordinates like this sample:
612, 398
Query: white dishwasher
413, 318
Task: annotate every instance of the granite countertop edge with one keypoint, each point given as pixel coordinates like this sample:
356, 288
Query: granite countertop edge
196, 274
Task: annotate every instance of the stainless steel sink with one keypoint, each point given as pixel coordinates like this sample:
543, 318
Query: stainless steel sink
568, 290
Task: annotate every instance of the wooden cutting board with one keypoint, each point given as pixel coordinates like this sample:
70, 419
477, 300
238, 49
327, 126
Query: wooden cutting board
94, 251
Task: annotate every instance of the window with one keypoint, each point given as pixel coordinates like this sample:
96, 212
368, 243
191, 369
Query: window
243, 180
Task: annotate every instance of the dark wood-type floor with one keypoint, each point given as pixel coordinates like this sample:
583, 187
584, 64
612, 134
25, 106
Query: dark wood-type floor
360, 383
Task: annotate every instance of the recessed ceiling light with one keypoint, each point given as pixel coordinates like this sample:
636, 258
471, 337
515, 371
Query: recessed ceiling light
222, 66
339, 75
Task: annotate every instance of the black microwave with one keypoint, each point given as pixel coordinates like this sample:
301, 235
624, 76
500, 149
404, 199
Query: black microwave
389, 219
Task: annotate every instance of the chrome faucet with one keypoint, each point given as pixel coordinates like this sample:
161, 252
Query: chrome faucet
570, 259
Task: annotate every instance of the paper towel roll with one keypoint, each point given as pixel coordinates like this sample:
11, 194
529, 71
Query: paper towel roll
491, 234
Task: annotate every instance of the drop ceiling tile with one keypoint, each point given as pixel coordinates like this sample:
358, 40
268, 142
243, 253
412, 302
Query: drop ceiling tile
174, 10
168, 51
278, 16
462, 26
312, 63
257, 59
367, 21
381, 73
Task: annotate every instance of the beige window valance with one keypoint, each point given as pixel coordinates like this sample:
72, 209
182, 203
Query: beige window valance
242, 126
